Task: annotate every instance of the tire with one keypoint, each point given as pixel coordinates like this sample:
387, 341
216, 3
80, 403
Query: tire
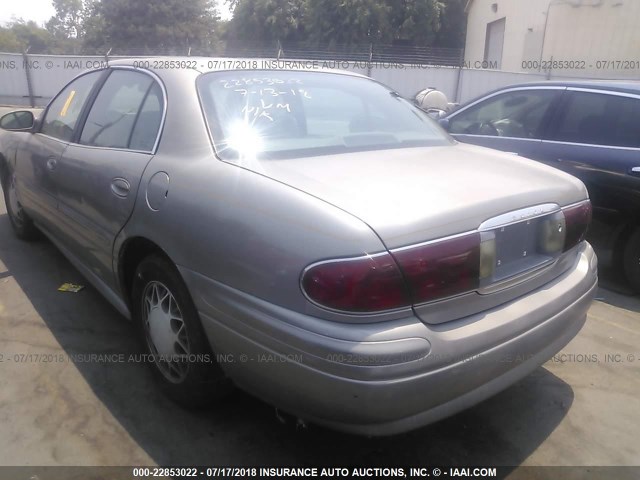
631, 260
169, 326
21, 223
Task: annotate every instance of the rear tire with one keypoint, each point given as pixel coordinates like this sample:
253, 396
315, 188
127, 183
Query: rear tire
171, 332
20, 222
631, 260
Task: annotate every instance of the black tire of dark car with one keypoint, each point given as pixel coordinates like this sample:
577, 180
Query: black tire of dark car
20, 222
201, 381
631, 260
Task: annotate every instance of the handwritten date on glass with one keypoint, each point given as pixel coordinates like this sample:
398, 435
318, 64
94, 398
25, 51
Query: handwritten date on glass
267, 102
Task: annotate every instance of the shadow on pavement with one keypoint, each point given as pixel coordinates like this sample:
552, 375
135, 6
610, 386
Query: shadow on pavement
242, 430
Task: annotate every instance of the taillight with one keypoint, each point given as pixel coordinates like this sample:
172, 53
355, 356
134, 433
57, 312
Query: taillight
363, 284
577, 219
443, 268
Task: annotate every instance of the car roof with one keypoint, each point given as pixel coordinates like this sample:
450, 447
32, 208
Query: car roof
626, 86
235, 64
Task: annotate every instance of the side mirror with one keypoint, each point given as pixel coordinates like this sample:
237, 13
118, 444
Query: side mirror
444, 123
21, 120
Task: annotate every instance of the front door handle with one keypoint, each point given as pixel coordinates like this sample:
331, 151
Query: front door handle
120, 187
635, 171
52, 163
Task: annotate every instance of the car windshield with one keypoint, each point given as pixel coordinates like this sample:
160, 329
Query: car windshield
284, 114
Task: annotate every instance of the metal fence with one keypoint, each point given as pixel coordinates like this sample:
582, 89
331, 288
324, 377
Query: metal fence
34, 79
362, 52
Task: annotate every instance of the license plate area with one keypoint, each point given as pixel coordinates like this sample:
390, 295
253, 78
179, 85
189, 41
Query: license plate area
517, 249
522, 247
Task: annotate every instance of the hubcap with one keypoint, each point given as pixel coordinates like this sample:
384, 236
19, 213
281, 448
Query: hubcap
15, 209
166, 331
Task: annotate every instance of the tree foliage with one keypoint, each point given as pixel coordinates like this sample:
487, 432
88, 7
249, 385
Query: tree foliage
18, 36
453, 25
267, 20
68, 20
163, 26
152, 25
348, 21
413, 22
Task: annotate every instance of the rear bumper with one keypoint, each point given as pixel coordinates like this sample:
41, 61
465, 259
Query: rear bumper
390, 377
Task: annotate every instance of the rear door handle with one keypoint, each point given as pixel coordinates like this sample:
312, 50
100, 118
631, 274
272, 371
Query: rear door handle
52, 163
120, 187
635, 171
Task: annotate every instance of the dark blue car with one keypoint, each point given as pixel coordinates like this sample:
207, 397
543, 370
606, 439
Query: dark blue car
590, 129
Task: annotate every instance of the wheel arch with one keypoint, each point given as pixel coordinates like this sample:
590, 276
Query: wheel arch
132, 252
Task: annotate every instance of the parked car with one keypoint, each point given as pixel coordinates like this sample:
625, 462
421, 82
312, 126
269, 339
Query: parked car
588, 129
309, 236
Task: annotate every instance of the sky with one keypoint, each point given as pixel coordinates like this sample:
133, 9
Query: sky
42, 10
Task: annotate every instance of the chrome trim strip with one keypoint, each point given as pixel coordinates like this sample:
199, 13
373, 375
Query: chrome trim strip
437, 240
566, 207
537, 140
591, 145
518, 216
604, 92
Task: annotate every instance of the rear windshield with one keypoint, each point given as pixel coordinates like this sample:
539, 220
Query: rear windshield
280, 114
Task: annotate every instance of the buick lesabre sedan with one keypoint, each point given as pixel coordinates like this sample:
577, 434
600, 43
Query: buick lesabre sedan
308, 236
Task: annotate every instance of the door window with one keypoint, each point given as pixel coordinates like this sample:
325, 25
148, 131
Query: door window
113, 115
145, 130
516, 114
600, 119
62, 115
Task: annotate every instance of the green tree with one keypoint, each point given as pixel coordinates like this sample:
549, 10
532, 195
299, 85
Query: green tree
20, 35
453, 25
267, 20
348, 21
151, 26
68, 20
415, 21
9, 42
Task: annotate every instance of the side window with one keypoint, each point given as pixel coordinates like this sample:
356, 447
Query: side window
516, 114
600, 119
145, 130
62, 115
113, 114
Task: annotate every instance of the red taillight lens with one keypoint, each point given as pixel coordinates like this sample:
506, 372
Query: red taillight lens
365, 284
442, 268
577, 219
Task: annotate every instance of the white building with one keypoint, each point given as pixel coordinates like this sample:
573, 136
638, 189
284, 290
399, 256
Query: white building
585, 38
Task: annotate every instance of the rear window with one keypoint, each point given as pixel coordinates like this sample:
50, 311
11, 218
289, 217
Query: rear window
279, 114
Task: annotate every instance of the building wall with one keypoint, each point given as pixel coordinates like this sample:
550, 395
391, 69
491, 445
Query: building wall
521, 15
583, 34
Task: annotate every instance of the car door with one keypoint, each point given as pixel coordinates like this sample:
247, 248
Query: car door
512, 120
99, 174
38, 156
596, 137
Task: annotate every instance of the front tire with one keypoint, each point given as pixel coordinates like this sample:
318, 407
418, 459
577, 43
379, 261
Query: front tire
171, 332
20, 222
